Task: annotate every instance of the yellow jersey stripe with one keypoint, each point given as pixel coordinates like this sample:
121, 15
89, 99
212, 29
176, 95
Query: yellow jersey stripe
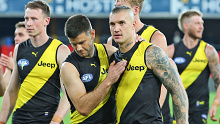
104, 63
131, 79
188, 75
147, 33
33, 83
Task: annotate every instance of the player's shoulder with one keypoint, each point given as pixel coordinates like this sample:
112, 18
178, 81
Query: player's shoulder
210, 50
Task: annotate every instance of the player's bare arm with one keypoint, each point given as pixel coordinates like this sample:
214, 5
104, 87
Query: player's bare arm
157, 60
85, 102
159, 39
214, 67
11, 92
2, 85
170, 51
64, 106
110, 49
109, 41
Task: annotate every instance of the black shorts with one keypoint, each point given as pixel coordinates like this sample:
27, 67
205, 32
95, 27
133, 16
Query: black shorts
24, 117
167, 119
197, 117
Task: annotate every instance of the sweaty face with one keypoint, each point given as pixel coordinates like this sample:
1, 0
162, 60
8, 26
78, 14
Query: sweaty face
35, 21
20, 35
121, 27
195, 28
83, 44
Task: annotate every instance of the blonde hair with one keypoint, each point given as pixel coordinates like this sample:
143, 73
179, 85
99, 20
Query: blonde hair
20, 25
39, 4
183, 17
138, 3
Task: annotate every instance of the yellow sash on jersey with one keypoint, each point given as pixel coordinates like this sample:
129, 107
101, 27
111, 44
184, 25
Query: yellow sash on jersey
147, 33
131, 78
34, 80
104, 64
199, 61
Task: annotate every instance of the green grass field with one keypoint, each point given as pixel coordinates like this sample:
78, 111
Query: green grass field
212, 95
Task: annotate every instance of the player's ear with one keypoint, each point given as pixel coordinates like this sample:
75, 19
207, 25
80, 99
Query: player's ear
136, 10
185, 26
47, 21
134, 24
92, 34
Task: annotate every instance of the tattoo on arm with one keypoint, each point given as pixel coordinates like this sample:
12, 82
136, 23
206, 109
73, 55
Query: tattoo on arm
164, 70
214, 67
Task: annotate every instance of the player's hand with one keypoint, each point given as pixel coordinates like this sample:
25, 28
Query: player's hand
139, 38
7, 61
115, 70
212, 112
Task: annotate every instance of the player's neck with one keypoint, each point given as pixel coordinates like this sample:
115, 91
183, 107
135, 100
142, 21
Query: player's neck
139, 24
91, 53
39, 40
190, 42
127, 45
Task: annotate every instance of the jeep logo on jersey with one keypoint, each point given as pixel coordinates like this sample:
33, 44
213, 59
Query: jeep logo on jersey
22, 63
87, 78
44, 64
179, 60
200, 60
132, 68
104, 71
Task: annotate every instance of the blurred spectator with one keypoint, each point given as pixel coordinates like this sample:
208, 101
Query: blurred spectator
7, 61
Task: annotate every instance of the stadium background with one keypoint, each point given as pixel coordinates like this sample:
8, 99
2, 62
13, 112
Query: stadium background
160, 13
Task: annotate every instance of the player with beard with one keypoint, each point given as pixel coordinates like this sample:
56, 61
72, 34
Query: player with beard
195, 60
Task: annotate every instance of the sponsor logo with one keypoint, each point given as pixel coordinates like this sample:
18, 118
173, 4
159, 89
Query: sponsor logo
179, 60
46, 113
204, 121
124, 58
200, 60
104, 71
35, 54
22, 63
87, 78
204, 116
93, 64
198, 103
132, 68
189, 53
44, 64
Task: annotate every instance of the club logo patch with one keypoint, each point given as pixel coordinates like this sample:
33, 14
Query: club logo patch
22, 63
179, 60
204, 116
87, 78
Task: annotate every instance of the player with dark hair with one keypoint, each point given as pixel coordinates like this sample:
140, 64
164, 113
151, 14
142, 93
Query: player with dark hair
34, 87
87, 76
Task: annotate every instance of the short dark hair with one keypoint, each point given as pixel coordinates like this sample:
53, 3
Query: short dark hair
20, 25
39, 4
77, 24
